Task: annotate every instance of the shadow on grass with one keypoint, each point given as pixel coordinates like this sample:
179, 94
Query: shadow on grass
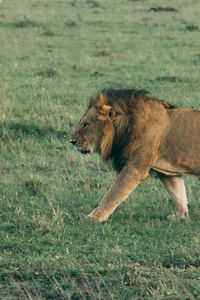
169, 79
180, 261
25, 23
29, 129
163, 9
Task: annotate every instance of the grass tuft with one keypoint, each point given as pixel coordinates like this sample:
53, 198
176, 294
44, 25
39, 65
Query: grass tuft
48, 33
192, 28
47, 72
34, 186
71, 23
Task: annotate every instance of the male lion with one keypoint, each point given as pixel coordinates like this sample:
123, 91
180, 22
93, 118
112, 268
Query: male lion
140, 133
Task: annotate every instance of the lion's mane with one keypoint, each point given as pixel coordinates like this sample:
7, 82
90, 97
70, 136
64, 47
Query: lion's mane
125, 113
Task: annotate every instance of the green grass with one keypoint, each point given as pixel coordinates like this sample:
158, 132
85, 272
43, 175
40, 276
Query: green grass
54, 56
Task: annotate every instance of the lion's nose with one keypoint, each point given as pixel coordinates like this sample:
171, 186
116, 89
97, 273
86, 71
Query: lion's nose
73, 142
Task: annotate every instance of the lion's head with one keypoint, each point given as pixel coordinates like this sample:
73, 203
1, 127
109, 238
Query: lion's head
95, 131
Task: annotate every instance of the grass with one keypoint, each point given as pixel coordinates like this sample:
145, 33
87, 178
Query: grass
54, 56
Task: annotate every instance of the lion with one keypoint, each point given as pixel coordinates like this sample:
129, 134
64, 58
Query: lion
140, 134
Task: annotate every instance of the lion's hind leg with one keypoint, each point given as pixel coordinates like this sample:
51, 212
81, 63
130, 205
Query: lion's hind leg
176, 188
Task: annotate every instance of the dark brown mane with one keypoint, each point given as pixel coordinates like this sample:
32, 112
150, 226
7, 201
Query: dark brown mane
123, 93
132, 111
128, 95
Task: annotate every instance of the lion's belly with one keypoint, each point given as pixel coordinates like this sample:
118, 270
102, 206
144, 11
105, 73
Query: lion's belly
179, 167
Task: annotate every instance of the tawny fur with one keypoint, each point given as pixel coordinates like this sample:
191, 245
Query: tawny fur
140, 133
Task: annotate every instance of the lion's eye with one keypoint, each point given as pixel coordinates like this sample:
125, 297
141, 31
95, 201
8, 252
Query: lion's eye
85, 125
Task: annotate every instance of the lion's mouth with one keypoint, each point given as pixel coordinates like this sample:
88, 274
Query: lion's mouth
81, 151
85, 152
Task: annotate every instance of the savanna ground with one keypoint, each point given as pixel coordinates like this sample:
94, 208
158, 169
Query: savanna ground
54, 55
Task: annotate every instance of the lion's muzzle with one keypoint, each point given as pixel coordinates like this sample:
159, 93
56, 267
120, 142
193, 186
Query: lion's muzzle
82, 151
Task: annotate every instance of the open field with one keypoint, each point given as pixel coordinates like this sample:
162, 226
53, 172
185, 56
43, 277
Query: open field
54, 55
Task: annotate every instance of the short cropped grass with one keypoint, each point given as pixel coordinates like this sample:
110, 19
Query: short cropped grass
54, 55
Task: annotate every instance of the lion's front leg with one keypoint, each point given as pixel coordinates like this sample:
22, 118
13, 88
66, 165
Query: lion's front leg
126, 182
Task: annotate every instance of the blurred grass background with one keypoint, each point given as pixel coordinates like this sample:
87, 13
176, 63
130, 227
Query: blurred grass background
54, 56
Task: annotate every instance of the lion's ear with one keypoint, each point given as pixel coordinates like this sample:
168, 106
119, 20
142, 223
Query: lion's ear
106, 112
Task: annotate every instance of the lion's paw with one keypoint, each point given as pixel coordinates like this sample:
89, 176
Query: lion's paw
174, 217
96, 218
